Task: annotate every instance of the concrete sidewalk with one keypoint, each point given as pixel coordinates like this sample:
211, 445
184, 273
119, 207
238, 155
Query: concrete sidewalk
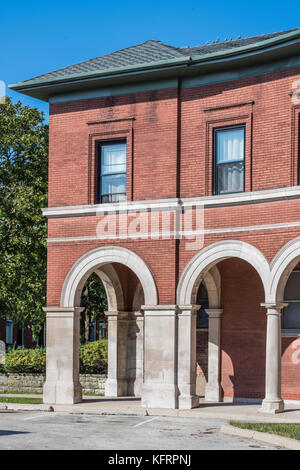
131, 406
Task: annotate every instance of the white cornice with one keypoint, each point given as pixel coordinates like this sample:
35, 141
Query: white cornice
174, 203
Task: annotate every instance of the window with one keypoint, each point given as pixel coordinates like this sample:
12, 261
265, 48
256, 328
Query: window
102, 330
229, 160
202, 299
9, 332
291, 314
112, 172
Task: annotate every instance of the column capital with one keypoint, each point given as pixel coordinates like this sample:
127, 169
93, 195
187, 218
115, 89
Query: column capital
123, 315
111, 313
62, 312
192, 307
160, 310
274, 308
214, 312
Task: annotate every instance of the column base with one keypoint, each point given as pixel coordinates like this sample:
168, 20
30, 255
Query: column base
272, 406
156, 395
187, 402
212, 393
116, 388
62, 393
134, 387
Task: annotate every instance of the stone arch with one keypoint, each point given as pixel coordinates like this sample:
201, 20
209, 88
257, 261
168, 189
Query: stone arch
281, 267
212, 282
112, 287
209, 256
98, 259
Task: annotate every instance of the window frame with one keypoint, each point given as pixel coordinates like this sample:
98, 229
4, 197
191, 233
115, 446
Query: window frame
101, 144
215, 156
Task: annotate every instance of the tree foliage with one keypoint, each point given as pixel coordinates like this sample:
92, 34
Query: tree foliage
23, 229
93, 299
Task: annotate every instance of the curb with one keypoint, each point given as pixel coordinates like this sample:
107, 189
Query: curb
274, 439
196, 413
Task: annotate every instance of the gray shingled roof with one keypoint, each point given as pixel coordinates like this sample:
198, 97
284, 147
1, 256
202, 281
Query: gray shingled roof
148, 52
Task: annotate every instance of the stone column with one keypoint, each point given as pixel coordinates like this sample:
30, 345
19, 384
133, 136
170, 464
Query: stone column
160, 336
213, 386
62, 384
116, 383
135, 353
273, 402
186, 375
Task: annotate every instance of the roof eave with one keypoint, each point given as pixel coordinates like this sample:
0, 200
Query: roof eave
267, 50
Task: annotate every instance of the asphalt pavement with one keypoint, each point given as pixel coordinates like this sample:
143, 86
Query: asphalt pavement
38, 430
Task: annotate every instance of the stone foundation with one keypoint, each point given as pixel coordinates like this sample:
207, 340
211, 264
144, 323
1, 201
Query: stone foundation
33, 383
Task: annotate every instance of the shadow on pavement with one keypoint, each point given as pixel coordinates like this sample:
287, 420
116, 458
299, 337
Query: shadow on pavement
9, 433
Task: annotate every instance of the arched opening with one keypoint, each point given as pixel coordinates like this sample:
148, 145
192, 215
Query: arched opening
128, 283
234, 329
93, 322
285, 288
202, 340
243, 332
123, 295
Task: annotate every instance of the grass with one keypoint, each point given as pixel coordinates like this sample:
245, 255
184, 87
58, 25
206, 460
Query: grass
23, 400
286, 430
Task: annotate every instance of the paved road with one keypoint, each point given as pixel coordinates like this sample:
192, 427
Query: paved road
42, 430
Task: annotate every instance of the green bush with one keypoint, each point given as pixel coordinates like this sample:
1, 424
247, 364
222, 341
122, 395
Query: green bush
21, 360
93, 357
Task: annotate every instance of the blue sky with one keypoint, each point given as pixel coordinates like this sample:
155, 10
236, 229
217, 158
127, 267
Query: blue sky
37, 37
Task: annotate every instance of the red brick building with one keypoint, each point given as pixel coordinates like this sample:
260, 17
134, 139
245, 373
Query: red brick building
174, 174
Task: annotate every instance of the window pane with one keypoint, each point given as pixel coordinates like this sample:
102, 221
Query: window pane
230, 178
292, 288
113, 198
291, 316
230, 145
113, 159
115, 184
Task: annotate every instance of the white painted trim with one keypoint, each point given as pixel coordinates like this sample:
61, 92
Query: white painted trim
100, 209
102, 256
174, 203
179, 234
290, 334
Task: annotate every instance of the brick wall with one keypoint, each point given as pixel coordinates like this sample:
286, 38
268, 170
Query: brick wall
169, 154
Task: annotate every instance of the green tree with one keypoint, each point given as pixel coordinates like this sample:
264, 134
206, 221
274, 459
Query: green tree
93, 299
23, 229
